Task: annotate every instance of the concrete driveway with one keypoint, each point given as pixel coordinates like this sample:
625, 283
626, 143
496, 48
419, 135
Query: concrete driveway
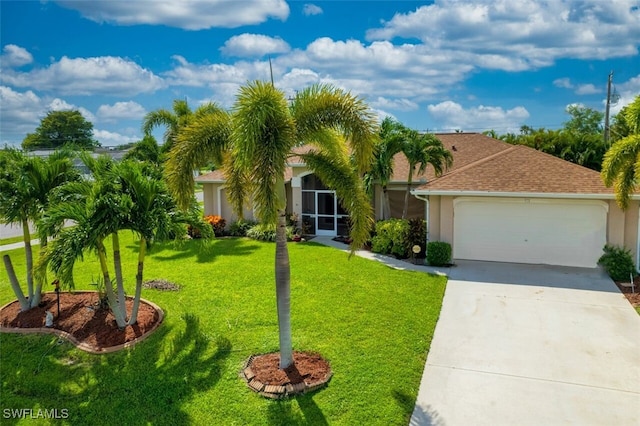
531, 345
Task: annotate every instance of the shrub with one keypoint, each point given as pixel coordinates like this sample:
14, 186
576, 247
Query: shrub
418, 235
438, 253
392, 237
618, 263
217, 223
240, 227
263, 232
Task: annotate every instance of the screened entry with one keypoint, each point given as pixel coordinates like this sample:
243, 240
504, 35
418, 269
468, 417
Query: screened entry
322, 214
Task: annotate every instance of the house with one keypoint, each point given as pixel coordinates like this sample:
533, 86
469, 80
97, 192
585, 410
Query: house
498, 202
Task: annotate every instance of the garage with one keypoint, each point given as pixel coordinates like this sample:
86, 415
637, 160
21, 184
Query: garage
530, 230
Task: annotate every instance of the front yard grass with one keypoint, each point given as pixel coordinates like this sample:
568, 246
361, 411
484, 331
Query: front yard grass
374, 325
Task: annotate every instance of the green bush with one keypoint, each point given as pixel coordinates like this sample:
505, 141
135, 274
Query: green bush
438, 253
418, 235
392, 237
240, 227
618, 263
262, 232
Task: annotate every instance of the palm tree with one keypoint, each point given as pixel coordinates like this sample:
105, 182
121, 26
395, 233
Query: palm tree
422, 150
622, 161
257, 139
25, 187
174, 120
389, 144
120, 196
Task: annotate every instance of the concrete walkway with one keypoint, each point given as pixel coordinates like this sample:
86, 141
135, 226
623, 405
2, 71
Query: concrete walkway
528, 345
531, 345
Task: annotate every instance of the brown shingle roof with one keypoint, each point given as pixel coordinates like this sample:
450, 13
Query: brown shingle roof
517, 169
469, 148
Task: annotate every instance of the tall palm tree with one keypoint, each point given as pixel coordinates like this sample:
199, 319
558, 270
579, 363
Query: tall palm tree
390, 143
422, 150
26, 183
174, 120
257, 139
621, 165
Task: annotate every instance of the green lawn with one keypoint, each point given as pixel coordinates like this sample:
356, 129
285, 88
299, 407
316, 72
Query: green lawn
372, 323
11, 240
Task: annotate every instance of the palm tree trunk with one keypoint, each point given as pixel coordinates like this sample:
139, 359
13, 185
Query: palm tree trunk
386, 206
406, 194
15, 285
117, 266
283, 282
113, 303
26, 236
136, 300
40, 279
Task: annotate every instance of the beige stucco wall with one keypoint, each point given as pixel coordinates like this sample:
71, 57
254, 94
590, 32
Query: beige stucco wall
622, 227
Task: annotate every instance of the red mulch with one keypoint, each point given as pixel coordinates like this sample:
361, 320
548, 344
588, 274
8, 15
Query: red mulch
80, 317
307, 368
633, 298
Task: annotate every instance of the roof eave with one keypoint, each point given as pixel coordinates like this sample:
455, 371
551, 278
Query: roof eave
589, 196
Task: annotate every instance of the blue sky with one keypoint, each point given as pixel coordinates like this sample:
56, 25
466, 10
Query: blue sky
437, 66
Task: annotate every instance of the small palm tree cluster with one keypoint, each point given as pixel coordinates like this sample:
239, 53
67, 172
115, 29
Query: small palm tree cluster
26, 185
420, 149
118, 197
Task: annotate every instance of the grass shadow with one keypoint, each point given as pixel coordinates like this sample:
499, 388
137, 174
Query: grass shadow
147, 384
202, 250
283, 412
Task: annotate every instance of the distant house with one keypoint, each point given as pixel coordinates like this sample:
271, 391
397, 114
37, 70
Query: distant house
498, 202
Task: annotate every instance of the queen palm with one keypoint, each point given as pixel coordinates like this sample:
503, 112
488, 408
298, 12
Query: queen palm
621, 165
389, 144
25, 187
422, 150
258, 138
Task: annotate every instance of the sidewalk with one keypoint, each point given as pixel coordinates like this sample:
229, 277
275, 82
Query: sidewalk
18, 245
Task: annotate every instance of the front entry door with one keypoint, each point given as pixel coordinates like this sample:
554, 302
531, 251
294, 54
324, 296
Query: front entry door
326, 213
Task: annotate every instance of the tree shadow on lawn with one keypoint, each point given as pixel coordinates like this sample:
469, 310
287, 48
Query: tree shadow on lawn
203, 251
147, 384
281, 412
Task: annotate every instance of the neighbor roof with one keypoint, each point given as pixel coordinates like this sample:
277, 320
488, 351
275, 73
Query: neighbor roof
486, 165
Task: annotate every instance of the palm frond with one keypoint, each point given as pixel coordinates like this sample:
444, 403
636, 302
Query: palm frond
208, 137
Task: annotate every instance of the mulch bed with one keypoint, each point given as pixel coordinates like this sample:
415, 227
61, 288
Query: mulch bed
625, 288
308, 372
93, 328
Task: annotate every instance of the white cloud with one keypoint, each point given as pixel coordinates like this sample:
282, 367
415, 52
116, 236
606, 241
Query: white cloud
627, 92
86, 76
564, 83
15, 56
107, 138
310, 9
121, 110
20, 112
523, 34
452, 115
587, 89
394, 104
254, 45
185, 14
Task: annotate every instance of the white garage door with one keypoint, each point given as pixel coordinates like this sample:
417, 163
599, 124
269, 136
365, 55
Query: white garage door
552, 232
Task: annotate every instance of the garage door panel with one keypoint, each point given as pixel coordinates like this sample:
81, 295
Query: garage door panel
548, 232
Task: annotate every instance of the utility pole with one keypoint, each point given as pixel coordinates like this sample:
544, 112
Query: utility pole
606, 112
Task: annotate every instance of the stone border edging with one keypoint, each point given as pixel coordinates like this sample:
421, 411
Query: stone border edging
278, 391
83, 346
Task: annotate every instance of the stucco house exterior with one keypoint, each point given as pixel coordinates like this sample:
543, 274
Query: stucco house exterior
498, 202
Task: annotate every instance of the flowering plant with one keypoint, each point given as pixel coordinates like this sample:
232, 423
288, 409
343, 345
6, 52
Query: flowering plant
217, 223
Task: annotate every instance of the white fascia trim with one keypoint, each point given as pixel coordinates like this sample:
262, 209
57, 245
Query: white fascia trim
210, 181
417, 192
